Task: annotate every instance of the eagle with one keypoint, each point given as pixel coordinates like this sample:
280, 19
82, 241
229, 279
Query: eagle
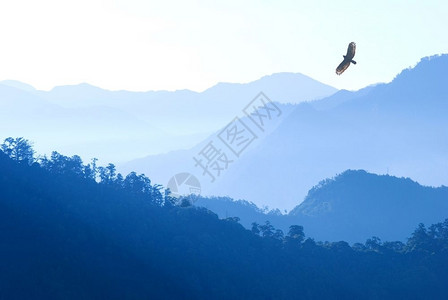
348, 58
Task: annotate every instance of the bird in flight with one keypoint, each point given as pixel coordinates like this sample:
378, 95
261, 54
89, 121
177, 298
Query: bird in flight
348, 58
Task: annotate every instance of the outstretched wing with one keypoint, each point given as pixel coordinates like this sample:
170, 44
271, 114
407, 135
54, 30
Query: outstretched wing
342, 66
351, 51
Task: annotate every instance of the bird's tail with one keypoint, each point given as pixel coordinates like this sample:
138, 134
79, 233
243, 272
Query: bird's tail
353, 62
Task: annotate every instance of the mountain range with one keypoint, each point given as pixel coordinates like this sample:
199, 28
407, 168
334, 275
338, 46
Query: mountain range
118, 126
397, 128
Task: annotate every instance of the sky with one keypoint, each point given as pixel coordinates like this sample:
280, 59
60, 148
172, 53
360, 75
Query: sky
142, 45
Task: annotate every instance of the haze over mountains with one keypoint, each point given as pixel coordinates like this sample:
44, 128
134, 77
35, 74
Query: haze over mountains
117, 126
398, 128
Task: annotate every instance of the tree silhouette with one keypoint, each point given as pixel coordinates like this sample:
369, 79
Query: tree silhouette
108, 174
255, 228
267, 230
185, 202
420, 239
168, 200
296, 233
278, 234
18, 149
374, 243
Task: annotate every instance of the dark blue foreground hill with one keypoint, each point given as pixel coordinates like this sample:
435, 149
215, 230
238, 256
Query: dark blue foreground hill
65, 236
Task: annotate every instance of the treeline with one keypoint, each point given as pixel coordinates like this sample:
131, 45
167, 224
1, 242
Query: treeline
21, 150
75, 231
435, 238
431, 240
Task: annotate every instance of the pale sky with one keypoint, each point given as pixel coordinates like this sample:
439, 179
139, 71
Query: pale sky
167, 45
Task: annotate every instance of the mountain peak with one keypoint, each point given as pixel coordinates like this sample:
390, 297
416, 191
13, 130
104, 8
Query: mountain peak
284, 87
356, 189
356, 205
434, 67
18, 85
83, 86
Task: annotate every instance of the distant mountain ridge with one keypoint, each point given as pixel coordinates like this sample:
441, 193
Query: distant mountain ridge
119, 126
398, 128
18, 85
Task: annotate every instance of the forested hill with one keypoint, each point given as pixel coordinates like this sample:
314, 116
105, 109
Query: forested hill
75, 231
352, 206
356, 205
